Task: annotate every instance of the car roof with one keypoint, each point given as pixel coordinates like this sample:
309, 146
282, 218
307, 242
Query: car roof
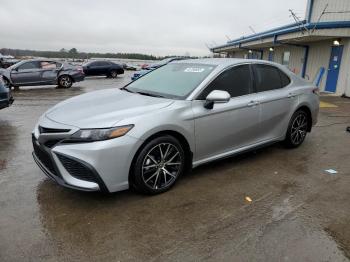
39, 60
223, 61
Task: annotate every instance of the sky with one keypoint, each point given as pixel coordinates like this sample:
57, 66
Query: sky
158, 27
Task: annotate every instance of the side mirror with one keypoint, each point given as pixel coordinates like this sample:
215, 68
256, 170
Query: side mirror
216, 96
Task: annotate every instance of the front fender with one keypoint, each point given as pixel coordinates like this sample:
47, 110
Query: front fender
171, 128
6, 74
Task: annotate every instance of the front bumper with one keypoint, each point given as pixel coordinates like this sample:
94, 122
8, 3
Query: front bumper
58, 170
6, 102
95, 166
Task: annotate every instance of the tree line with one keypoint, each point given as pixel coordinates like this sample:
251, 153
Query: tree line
74, 53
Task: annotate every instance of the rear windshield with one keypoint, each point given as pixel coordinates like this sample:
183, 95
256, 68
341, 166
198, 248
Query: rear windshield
175, 80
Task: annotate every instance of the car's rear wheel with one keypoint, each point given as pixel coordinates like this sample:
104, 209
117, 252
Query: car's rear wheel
297, 129
113, 74
158, 165
65, 81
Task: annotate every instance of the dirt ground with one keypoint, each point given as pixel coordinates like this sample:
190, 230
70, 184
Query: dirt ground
298, 212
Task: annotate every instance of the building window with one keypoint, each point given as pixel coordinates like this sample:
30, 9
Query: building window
285, 58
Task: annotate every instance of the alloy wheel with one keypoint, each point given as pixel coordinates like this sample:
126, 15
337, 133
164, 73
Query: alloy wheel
161, 166
299, 129
114, 74
65, 81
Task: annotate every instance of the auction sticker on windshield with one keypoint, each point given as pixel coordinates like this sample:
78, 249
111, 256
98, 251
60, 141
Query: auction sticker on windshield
194, 70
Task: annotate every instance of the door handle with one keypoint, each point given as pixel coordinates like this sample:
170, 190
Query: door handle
253, 103
291, 95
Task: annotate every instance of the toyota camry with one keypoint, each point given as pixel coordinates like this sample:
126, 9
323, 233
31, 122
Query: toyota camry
177, 117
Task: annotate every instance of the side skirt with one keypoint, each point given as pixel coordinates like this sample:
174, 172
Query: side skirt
238, 151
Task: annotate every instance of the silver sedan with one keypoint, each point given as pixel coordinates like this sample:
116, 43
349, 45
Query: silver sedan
182, 115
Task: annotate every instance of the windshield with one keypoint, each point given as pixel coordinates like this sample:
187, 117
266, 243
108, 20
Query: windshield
15, 65
175, 80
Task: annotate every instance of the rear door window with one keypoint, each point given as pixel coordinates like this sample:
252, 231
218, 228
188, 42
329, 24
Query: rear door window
284, 78
102, 63
269, 78
47, 65
237, 81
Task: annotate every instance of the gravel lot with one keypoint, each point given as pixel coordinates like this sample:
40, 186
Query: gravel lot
297, 213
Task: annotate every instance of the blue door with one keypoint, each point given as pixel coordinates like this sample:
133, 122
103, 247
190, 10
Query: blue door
271, 56
333, 69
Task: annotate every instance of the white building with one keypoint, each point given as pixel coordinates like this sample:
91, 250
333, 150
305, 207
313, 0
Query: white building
319, 43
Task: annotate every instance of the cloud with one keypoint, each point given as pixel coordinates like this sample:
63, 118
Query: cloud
159, 27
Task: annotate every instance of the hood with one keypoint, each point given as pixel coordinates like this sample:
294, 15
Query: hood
104, 108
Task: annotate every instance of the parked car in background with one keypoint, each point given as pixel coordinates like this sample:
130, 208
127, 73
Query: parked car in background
7, 62
129, 67
6, 98
107, 68
42, 72
182, 115
147, 68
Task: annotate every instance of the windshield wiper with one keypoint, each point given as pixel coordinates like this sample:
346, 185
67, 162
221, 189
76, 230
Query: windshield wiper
141, 93
148, 94
127, 90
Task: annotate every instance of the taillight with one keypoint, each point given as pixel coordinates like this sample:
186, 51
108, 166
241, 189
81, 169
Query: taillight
316, 91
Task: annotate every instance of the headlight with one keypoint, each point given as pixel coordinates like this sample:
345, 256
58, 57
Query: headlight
90, 135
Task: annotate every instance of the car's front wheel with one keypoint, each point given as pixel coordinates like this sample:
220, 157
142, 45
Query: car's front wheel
297, 129
65, 81
158, 165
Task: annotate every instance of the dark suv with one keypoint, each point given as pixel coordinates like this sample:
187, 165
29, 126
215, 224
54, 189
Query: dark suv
6, 98
107, 68
42, 72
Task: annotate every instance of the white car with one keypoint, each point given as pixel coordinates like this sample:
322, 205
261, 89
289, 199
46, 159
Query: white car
178, 116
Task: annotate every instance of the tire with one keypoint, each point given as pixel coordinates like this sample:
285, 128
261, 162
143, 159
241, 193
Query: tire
297, 129
113, 74
65, 81
158, 165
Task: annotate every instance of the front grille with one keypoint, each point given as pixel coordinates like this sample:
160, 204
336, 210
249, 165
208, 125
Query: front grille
44, 158
77, 169
52, 130
52, 143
